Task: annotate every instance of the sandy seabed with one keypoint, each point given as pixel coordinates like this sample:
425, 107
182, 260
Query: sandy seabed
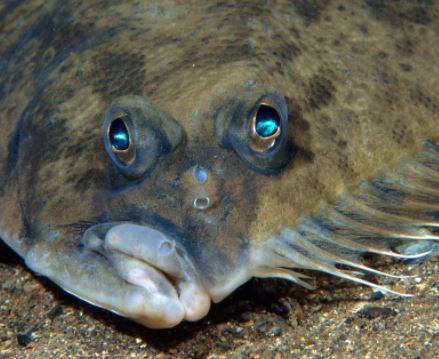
263, 319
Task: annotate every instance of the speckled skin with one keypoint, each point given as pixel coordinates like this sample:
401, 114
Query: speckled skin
360, 95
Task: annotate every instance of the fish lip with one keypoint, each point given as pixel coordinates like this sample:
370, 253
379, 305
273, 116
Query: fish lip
218, 289
171, 274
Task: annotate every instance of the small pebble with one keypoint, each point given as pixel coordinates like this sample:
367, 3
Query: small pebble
246, 316
348, 320
261, 325
25, 339
55, 312
276, 331
239, 330
249, 83
373, 311
223, 328
376, 295
281, 309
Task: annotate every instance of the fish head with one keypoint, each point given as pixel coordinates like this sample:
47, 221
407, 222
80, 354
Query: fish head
173, 196
154, 180
203, 179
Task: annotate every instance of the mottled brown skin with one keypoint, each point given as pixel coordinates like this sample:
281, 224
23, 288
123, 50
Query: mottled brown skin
359, 97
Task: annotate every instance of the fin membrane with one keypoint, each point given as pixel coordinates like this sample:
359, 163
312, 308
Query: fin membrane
395, 215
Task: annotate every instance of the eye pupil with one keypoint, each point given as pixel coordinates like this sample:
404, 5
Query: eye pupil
119, 137
267, 121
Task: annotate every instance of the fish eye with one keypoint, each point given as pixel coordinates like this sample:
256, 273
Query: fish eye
137, 134
120, 139
267, 122
255, 126
265, 127
118, 135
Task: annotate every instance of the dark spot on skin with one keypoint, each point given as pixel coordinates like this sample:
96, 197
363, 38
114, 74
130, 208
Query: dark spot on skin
385, 76
344, 165
8, 9
336, 42
283, 51
27, 226
405, 47
405, 67
357, 50
286, 50
299, 126
234, 52
119, 66
342, 144
13, 147
381, 55
397, 12
310, 10
362, 29
341, 8
298, 129
295, 32
305, 154
84, 181
400, 133
421, 98
295, 114
320, 92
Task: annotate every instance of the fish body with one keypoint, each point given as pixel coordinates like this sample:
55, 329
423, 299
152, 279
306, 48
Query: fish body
158, 155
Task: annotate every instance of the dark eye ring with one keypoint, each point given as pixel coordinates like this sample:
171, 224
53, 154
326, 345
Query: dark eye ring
120, 138
265, 127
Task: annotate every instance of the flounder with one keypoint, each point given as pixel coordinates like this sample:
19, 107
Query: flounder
159, 154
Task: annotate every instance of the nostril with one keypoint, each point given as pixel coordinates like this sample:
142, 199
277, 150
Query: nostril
201, 203
200, 174
165, 248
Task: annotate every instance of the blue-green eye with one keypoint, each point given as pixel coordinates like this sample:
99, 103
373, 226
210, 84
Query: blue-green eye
267, 121
118, 135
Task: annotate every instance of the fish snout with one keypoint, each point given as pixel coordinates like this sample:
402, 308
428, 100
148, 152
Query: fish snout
201, 187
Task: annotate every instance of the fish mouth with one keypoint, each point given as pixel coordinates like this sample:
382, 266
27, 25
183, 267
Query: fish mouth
160, 268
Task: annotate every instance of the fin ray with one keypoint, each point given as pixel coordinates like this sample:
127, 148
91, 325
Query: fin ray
398, 205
